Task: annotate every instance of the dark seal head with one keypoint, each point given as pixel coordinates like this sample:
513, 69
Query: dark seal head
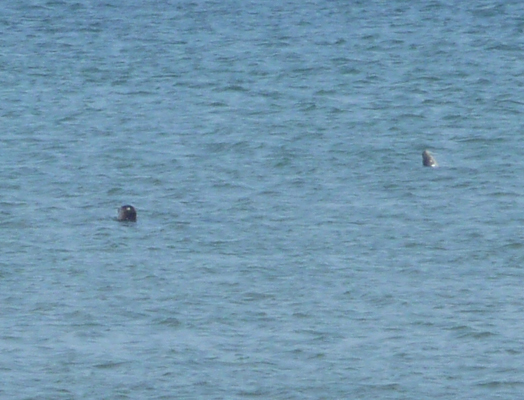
127, 213
428, 160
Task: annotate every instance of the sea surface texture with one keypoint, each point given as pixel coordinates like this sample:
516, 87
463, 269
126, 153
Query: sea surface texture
289, 243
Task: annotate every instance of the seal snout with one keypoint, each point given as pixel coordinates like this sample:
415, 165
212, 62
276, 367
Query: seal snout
428, 160
127, 213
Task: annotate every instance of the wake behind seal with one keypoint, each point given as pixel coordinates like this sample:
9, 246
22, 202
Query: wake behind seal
428, 160
127, 213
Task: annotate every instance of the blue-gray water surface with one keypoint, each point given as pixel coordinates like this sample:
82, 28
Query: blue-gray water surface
289, 243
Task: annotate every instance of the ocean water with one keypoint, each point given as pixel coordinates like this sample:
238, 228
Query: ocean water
289, 243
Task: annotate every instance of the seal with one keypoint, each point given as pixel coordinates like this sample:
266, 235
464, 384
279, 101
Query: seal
428, 160
127, 213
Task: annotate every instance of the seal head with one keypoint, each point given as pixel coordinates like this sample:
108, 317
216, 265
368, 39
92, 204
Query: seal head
127, 213
428, 160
